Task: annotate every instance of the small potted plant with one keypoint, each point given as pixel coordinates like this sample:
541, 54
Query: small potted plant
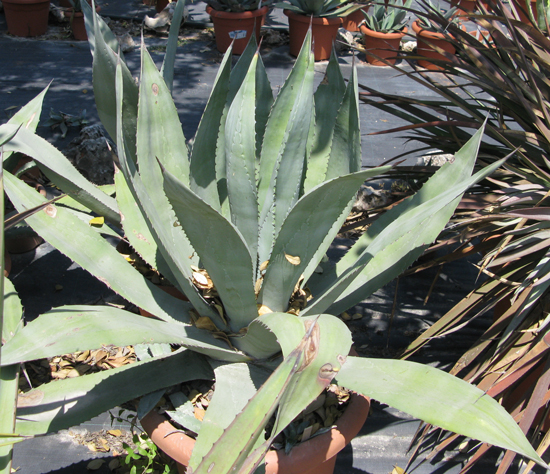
383, 28
76, 19
241, 226
433, 43
235, 21
27, 17
351, 21
325, 17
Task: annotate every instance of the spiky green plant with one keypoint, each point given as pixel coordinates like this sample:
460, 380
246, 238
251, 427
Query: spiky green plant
434, 16
237, 6
320, 8
241, 225
387, 18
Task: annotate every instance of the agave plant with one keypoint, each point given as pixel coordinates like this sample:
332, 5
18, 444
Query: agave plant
505, 218
320, 8
236, 6
387, 18
241, 225
434, 16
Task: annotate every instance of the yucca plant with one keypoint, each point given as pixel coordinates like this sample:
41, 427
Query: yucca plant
241, 225
387, 18
505, 219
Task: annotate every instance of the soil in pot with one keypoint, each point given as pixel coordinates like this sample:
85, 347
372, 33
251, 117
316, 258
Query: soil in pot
317, 455
324, 31
27, 17
425, 41
229, 26
380, 46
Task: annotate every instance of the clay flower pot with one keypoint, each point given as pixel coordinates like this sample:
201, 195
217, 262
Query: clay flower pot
351, 22
77, 24
315, 456
27, 17
382, 45
229, 26
158, 4
324, 31
468, 6
425, 40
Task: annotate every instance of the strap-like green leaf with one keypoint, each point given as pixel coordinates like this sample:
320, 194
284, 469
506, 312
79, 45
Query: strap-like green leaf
72, 328
437, 398
306, 234
223, 251
167, 69
64, 403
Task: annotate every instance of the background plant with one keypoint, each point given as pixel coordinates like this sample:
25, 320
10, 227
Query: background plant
320, 8
387, 18
503, 222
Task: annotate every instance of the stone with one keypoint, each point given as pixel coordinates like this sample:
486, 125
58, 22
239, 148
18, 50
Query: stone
92, 154
370, 198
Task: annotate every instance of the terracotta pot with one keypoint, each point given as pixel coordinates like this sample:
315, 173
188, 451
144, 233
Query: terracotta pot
324, 32
229, 26
161, 5
315, 456
425, 39
27, 17
171, 290
523, 12
78, 26
351, 22
382, 45
468, 6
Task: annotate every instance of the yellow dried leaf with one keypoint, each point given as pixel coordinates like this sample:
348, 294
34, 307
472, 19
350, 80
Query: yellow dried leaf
357, 316
72, 373
263, 309
345, 316
199, 413
264, 265
97, 221
398, 470
83, 356
294, 260
204, 322
115, 432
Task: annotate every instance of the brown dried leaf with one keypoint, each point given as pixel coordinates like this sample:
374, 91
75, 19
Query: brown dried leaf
95, 464
293, 259
115, 432
204, 322
199, 413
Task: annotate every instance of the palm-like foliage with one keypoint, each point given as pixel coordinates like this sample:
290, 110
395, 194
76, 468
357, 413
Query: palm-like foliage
502, 77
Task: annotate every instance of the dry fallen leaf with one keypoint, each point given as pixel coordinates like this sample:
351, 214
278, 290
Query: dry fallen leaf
95, 464
294, 260
398, 470
114, 432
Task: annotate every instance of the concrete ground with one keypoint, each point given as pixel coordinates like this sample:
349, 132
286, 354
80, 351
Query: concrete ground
29, 65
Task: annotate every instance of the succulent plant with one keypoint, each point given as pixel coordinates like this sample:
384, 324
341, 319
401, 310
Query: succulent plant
434, 10
236, 6
320, 8
241, 225
387, 18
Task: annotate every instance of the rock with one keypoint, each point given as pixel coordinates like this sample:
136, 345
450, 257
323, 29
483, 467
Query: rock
344, 40
408, 46
370, 198
126, 42
91, 153
438, 159
161, 21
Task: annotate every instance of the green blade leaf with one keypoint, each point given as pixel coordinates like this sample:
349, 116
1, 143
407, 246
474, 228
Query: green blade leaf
64, 403
222, 249
73, 328
312, 222
167, 69
437, 398
284, 148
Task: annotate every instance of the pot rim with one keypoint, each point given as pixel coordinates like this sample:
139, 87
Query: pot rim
426, 33
378, 34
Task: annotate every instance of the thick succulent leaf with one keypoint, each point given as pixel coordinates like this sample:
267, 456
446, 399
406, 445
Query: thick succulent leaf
240, 151
284, 148
104, 81
76, 239
222, 250
437, 398
65, 403
11, 321
236, 384
205, 163
316, 216
70, 329
93, 21
258, 342
330, 343
170, 239
330, 92
395, 240
167, 69
60, 171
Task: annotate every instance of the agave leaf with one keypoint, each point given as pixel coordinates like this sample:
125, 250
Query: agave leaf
331, 90
172, 242
93, 21
205, 166
11, 321
236, 384
167, 69
240, 149
426, 393
284, 148
312, 222
60, 170
72, 328
222, 249
69, 402
91, 251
